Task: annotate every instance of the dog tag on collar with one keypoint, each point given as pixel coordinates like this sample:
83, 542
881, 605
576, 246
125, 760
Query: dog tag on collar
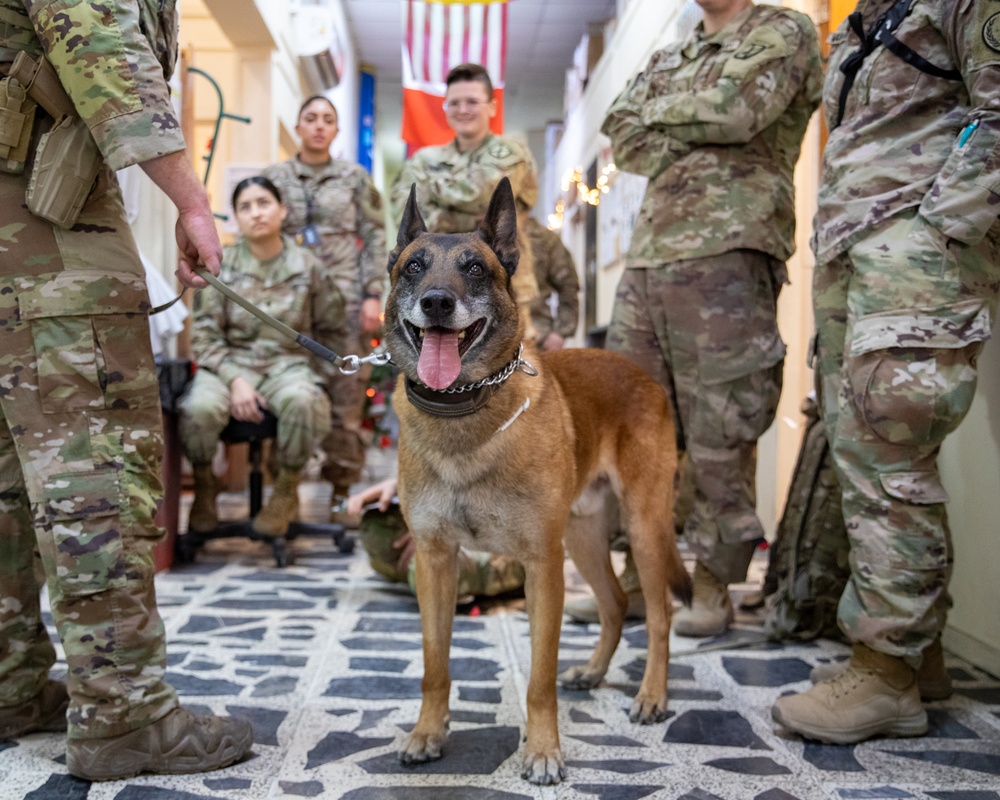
308, 236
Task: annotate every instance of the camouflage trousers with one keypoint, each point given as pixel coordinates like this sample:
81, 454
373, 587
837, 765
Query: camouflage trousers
80, 451
345, 442
900, 320
706, 330
294, 396
479, 574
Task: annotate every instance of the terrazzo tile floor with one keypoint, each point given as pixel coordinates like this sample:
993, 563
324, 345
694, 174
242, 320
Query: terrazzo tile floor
324, 657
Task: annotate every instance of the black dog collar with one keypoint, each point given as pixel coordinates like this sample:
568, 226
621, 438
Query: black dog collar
461, 401
443, 404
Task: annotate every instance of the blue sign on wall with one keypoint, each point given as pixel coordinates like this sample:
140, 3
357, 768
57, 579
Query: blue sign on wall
366, 120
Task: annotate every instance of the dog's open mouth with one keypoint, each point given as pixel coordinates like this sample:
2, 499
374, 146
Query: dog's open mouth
441, 351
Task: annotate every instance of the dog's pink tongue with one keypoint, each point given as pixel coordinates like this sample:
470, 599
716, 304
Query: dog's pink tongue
439, 363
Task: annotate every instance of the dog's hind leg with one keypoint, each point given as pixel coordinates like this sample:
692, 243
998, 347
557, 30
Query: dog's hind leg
648, 509
437, 579
650, 704
543, 589
587, 542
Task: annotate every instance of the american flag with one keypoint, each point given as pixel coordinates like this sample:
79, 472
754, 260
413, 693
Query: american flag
439, 35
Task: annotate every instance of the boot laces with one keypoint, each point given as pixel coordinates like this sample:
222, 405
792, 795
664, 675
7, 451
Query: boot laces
848, 680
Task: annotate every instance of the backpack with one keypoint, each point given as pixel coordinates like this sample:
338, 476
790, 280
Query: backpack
158, 22
808, 566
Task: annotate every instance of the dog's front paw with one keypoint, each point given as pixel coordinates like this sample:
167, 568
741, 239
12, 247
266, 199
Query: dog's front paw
418, 748
580, 678
647, 711
544, 769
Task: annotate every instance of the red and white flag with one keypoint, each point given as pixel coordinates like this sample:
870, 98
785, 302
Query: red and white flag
439, 35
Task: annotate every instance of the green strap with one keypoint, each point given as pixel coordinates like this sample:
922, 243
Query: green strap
12, 17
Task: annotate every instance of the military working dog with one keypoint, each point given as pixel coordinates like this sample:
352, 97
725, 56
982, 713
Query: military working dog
495, 444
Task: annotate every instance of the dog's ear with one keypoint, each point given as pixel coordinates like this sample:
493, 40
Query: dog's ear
411, 226
499, 228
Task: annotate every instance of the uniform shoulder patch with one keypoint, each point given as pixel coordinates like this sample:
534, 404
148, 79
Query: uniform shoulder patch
760, 46
991, 32
500, 150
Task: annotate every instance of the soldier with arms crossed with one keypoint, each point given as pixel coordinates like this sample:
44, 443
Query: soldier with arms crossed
716, 122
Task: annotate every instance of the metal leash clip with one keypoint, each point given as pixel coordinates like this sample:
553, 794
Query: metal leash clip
353, 363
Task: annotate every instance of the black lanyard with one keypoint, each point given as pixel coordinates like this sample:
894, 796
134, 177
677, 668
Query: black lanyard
309, 199
882, 33
308, 235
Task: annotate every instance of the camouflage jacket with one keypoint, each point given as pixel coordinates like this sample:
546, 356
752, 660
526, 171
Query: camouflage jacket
716, 123
293, 287
555, 272
346, 210
454, 188
106, 66
911, 139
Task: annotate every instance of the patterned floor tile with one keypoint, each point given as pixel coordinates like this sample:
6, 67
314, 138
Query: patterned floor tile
325, 659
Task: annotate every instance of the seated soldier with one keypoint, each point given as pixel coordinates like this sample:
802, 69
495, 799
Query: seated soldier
244, 366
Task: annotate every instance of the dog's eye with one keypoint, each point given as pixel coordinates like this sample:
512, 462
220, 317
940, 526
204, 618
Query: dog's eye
475, 269
413, 267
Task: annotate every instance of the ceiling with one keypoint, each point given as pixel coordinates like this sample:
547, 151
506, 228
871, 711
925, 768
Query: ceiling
542, 35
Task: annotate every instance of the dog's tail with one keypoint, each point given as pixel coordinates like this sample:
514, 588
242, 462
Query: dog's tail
678, 577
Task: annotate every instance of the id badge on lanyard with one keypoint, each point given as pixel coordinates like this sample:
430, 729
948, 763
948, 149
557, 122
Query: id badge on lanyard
308, 235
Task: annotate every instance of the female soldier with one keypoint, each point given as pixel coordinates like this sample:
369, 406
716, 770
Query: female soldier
335, 209
244, 366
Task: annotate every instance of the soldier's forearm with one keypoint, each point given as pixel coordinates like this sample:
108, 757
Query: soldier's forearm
174, 175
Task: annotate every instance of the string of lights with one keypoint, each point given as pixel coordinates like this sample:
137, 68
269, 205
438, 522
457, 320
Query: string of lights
573, 179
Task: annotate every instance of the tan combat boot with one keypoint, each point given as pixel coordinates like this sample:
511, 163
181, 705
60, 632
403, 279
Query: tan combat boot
45, 712
875, 695
177, 744
711, 611
585, 609
933, 680
283, 507
203, 517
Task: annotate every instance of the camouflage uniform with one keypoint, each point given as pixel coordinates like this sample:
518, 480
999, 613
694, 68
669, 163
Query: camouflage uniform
230, 342
346, 208
555, 273
905, 293
454, 191
479, 574
716, 123
81, 439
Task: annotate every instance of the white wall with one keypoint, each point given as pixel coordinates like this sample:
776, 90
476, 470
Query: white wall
970, 469
644, 26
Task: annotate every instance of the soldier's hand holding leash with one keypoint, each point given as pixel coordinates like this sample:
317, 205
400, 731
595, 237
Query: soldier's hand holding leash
197, 238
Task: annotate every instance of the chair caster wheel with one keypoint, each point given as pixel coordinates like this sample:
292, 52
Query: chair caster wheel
281, 555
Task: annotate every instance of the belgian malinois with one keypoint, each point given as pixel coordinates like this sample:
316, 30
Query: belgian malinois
495, 443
